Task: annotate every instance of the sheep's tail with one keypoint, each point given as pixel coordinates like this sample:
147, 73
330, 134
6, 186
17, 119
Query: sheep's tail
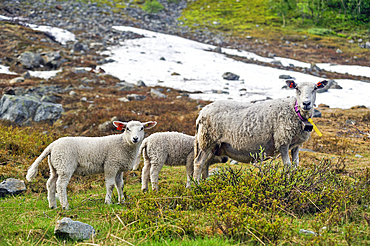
137, 162
32, 170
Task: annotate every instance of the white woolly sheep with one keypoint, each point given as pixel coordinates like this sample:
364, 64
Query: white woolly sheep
111, 155
168, 148
238, 129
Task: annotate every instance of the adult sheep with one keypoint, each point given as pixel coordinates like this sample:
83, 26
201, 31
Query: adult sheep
111, 155
238, 129
168, 148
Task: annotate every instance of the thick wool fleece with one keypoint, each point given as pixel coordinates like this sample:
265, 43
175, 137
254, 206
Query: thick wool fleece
168, 148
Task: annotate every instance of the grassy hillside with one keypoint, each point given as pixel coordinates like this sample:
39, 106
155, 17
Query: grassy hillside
323, 202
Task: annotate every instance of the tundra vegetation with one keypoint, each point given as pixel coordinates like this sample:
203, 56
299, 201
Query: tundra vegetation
244, 204
239, 205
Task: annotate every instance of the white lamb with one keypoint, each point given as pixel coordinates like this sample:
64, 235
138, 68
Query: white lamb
111, 155
238, 129
168, 148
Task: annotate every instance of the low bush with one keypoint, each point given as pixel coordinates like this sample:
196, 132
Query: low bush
152, 6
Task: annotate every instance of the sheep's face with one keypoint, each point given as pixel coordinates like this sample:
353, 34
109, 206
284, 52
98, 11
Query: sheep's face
306, 93
134, 130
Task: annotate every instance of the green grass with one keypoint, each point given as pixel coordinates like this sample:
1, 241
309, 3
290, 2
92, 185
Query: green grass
227, 210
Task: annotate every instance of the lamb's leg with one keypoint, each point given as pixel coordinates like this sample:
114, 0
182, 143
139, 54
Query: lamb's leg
145, 175
51, 186
61, 185
110, 180
295, 156
284, 151
154, 173
203, 158
119, 187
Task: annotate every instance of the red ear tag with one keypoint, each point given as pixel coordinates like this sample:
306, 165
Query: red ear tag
319, 84
291, 85
120, 127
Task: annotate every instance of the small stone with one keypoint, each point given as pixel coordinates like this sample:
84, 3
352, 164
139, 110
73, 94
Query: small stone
155, 93
307, 232
285, 76
123, 99
358, 156
72, 93
136, 97
141, 83
230, 76
11, 186
16, 80
75, 230
9, 91
26, 75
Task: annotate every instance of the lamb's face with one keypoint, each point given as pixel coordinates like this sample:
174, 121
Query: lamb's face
134, 130
306, 93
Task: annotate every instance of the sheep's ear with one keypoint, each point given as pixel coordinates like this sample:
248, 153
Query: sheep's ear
291, 84
149, 124
321, 84
119, 125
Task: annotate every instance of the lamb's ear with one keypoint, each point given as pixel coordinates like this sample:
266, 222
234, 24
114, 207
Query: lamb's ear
119, 125
291, 84
321, 84
149, 124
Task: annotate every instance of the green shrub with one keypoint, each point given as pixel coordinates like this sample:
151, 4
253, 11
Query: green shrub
253, 204
152, 6
320, 31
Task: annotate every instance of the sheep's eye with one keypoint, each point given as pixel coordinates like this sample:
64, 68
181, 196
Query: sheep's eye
142, 128
128, 129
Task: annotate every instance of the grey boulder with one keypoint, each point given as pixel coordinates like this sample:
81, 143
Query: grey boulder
75, 230
23, 109
11, 187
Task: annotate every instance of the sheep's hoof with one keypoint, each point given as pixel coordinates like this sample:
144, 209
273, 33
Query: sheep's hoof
144, 190
53, 207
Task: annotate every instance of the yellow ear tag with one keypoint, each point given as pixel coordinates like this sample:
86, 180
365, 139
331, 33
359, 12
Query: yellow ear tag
315, 127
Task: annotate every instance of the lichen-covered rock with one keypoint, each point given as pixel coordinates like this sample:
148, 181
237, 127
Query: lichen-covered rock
30, 60
230, 76
23, 109
75, 230
11, 187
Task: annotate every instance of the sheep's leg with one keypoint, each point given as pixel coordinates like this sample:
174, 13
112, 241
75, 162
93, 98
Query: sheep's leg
189, 172
51, 186
205, 172
284, 151
154, 173
109, 184
61, 185
295, 156
203, 158
119, 187
145, 175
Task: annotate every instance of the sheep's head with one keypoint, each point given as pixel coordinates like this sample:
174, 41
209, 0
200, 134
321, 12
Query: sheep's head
306, 93
134, 130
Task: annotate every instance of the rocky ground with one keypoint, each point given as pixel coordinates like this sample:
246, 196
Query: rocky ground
90, 97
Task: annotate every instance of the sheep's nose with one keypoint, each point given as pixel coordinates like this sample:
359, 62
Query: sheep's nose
135, 139
306, 104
